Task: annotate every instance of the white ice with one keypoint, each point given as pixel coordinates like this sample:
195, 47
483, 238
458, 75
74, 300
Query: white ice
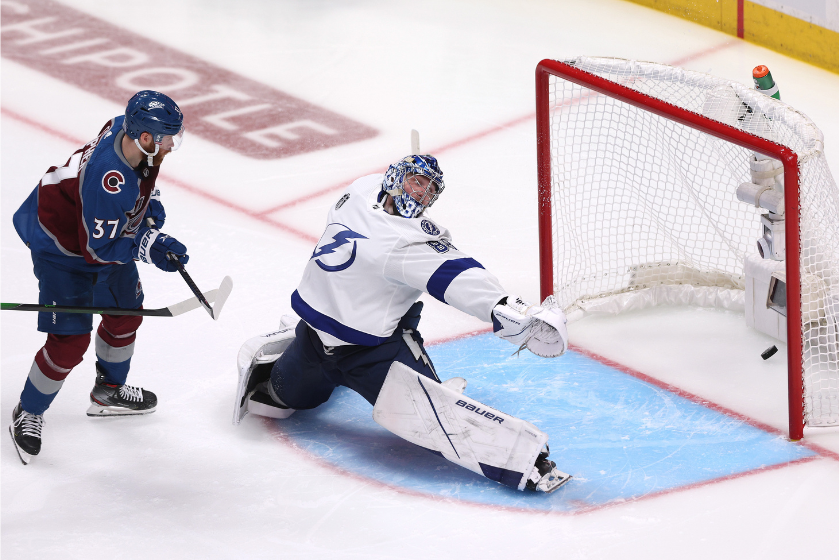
184, 482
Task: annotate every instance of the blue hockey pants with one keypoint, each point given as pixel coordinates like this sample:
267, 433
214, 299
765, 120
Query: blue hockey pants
307, 373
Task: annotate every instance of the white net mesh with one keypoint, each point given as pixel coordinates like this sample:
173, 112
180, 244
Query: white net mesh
644, 208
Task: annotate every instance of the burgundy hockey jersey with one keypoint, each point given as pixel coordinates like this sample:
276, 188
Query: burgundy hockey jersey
87, 212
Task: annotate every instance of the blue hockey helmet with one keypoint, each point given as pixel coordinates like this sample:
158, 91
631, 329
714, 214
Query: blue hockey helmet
394, 184
155, 113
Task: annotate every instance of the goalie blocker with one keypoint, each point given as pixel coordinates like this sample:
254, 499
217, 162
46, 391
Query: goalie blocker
466, 432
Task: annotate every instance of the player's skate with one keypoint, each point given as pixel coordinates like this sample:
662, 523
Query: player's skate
254, 362
26, 433
107, 399
546, 477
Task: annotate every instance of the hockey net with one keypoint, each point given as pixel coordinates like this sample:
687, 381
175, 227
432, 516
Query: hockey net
638, 168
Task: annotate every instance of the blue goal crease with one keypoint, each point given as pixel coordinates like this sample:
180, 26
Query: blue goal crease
620, 437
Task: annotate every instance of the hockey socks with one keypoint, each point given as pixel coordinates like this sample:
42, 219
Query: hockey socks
114, 344
52, 364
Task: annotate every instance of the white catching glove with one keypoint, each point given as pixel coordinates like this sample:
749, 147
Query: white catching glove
541, 329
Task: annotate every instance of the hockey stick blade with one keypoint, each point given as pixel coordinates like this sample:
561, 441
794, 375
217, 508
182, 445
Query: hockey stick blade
173, 258
170, 311
221, 296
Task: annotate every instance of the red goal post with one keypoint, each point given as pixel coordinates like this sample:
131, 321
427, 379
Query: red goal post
566, 90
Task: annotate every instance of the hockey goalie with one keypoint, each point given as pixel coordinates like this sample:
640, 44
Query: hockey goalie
359, 310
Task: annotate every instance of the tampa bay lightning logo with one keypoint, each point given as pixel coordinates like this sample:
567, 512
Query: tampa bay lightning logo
334, 252
429, 227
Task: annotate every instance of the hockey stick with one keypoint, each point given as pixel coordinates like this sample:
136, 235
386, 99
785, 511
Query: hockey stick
224, 288
415, 142
170, 311
221, 297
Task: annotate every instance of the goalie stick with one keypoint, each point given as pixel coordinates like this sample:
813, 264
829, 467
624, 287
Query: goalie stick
170, 311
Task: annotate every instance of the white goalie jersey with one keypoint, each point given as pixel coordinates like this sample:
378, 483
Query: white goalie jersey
369, 267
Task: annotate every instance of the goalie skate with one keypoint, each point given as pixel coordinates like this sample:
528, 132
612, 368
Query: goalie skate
545, 477
254, 362
261, 403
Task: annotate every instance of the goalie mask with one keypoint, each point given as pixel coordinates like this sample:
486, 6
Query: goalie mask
394, 184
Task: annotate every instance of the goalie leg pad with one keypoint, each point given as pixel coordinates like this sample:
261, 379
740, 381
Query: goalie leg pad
254, 359
466, 432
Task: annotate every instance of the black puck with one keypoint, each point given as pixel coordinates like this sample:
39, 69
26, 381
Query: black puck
769, 352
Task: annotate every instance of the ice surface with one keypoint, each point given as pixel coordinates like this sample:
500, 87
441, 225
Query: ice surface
184, 482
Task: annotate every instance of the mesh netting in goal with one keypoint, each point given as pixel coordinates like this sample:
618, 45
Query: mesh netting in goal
643, 207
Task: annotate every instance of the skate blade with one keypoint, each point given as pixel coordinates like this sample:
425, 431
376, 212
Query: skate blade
261, 409
24, 456
553, 480
99, 411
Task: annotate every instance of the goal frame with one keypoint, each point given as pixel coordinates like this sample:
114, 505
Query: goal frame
788, 157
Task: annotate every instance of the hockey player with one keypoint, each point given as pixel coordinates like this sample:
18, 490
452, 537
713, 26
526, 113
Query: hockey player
358, 302
86, 222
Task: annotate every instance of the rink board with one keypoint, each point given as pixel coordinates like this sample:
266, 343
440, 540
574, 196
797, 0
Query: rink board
620, 437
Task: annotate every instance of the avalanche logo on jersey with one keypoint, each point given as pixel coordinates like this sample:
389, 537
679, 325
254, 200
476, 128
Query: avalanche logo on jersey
429, 227
112, 181
333, 252
135, 217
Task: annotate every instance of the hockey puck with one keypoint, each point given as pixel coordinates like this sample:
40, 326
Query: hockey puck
769, 352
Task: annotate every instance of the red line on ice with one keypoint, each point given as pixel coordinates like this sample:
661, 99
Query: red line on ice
477, 136
172, 181
822, 452
263, 215
276, 429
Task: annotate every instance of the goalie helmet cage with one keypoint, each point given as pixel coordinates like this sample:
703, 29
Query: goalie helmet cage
638, 164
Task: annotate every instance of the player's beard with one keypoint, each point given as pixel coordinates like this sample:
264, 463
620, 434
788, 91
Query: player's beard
158, 159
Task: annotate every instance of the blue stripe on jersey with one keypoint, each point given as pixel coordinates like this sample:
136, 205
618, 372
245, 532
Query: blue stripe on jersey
321, 322
446, 273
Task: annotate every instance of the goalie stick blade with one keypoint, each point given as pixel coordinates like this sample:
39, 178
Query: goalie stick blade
225, 288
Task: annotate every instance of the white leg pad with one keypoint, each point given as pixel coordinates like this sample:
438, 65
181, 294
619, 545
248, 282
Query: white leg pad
466, 432
261, 349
